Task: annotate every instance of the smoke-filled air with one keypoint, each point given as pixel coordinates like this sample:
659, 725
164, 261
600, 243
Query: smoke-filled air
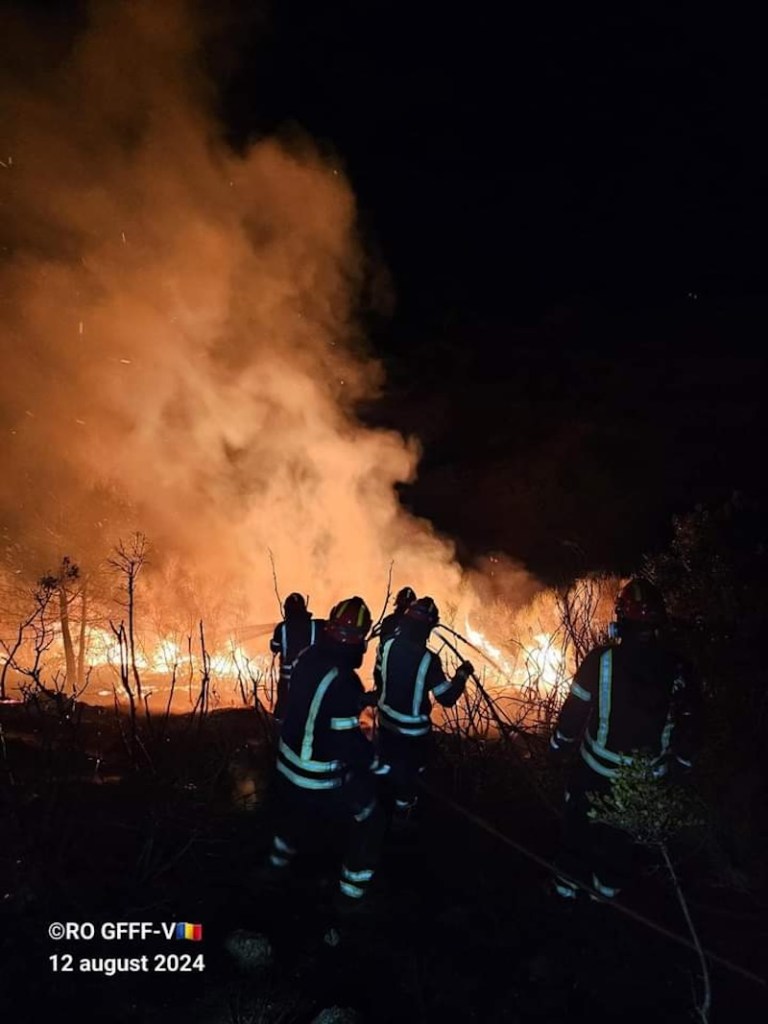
181, 354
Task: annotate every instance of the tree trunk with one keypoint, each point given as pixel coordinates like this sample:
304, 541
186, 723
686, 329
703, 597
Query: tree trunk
66, 636
131, 634
81, 647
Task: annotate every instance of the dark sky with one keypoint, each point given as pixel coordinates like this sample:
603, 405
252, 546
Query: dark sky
572, 210
513, 161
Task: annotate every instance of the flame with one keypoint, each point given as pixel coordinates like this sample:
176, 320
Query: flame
103, 650
533, 667
502, 665
544, 663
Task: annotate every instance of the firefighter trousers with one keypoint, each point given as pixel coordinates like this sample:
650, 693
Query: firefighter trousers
282, 697
306, 816
408, 757
592, 852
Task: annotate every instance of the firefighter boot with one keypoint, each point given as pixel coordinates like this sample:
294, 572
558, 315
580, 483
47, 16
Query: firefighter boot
351, 905
563, 890
276, 870
404, 817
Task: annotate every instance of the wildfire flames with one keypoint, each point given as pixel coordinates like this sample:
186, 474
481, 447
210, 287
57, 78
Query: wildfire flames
181, 355
165, 661
165, 656
542, 661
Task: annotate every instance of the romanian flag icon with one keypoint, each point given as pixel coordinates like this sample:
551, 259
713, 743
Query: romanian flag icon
184, 930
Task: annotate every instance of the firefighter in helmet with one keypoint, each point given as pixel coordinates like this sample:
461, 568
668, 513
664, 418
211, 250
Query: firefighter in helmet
297, 631
634, 695
326, 766
389, 626
411, 675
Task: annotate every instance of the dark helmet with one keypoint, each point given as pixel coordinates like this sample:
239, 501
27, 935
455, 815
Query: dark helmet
294, 605
404, 598
641, 602
349, 622
424, 611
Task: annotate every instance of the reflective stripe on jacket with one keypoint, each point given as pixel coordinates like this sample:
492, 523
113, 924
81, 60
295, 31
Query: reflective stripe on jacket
290, 638
320, 737
409, 674
628, 698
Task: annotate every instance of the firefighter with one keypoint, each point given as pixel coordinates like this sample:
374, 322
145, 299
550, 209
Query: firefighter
404, 597
389, 626
297, 631
409, 674
326, 766
634, 695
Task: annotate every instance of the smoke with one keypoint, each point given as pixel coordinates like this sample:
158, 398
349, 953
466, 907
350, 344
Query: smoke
179, 340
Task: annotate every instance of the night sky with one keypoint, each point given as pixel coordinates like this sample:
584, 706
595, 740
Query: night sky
571, 212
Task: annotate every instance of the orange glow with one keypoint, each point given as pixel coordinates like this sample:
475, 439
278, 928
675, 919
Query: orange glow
181, 348
538, 661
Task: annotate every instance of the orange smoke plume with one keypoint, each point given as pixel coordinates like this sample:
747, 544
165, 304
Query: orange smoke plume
179, 342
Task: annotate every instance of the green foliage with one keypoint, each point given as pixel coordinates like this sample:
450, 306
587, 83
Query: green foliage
650, 809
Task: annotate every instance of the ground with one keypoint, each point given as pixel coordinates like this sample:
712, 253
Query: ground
460, 926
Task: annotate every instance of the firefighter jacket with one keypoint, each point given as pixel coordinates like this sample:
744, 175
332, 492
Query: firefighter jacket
409, 674
321, 741
388, 628
631, 697
290, 638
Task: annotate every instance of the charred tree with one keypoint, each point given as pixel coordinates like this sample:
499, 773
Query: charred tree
82, 638
68, 573
128, 561
125, 682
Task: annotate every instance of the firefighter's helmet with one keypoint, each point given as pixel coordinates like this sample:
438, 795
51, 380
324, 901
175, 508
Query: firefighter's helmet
423, 611
349, 622
405, 597
642, 603
294, 604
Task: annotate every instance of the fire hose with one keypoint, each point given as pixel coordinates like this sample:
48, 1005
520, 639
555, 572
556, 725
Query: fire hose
614, 904
487, 827
483, 654
477, 650
488, 700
